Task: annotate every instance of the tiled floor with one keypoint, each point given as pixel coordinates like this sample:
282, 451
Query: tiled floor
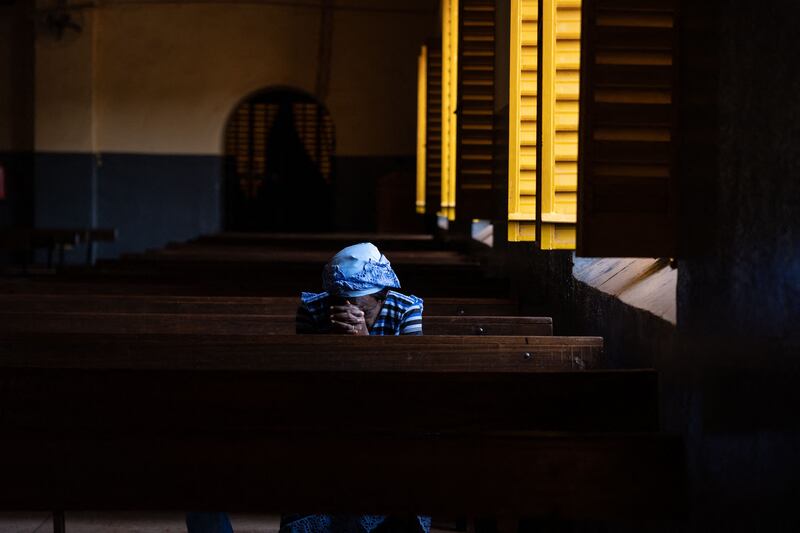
126, 522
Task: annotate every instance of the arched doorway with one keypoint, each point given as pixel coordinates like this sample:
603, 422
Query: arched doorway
279, 146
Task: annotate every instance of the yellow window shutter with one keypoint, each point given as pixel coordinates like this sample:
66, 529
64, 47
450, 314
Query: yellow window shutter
627, 184
560, 71
475, 163
433, 134
449, 103
422, 115
522, 118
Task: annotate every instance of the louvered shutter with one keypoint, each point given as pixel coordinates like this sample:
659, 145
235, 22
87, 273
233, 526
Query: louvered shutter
627, 184
433, 133
422, 115
476, 65
560, 71
522, 116
449, 105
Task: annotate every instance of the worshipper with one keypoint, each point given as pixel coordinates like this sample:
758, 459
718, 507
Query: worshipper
357, 300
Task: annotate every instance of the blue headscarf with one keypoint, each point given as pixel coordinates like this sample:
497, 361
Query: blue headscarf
358, 270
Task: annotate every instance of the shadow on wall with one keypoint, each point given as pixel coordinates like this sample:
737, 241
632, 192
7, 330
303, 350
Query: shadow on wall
375, 193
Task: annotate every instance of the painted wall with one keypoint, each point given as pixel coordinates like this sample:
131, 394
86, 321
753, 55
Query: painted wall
153, 86
168, 76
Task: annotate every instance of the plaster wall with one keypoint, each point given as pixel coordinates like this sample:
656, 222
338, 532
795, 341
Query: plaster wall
64, 89
168, 76
131, 112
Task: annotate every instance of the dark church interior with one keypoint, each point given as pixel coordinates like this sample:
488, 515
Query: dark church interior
592, 205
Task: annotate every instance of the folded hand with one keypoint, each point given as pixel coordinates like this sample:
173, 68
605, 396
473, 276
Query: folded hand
348, 320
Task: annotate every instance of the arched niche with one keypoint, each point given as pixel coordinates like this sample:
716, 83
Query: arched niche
279, 145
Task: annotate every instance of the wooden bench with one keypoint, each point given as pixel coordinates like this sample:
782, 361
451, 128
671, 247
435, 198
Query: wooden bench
246, 280
231, 254
227, 324
340, 424
298, 352
451, 425
279, 305
331, 241
142, 284
561, 476
55, 240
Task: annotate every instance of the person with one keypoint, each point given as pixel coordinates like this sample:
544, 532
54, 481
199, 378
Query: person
358, 299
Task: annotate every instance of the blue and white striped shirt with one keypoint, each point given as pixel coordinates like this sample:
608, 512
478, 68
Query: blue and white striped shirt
399, 314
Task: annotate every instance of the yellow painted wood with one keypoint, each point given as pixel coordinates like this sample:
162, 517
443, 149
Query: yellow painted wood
449, 104
422, 119
560, 71
523, 120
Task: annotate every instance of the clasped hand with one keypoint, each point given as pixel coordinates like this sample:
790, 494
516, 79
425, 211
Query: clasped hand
348, 319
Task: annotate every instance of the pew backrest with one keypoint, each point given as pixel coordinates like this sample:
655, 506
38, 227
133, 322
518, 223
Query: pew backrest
226, 324
277, 305
303, 352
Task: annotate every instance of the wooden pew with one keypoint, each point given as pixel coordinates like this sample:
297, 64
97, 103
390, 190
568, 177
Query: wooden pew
376, 424
303, 352
140, 284
275, 259
436, 424
561, 476
226, 324
279, 305
54, 240
231, 254
212, 270
246, 280
330, 241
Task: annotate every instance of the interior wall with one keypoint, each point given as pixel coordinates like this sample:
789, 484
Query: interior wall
739, 277
153, 86
169, 75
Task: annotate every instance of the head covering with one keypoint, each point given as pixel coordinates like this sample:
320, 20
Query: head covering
358, 270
